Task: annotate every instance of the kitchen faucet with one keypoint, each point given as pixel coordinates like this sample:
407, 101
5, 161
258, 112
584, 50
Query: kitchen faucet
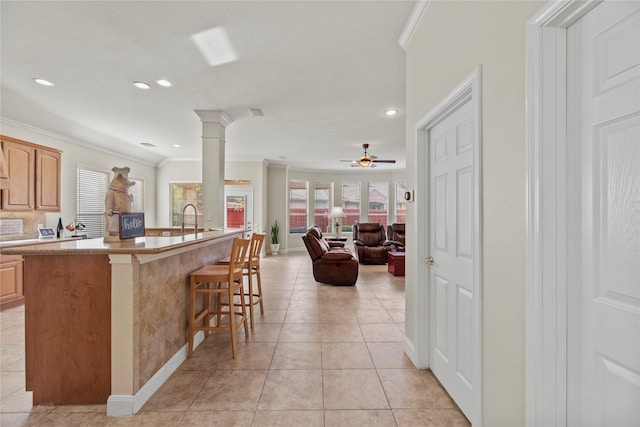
195, 211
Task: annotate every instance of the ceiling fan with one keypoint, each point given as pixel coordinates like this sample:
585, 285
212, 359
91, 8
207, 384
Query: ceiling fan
366, 160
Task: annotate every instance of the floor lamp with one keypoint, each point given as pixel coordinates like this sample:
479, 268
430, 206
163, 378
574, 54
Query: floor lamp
337, 212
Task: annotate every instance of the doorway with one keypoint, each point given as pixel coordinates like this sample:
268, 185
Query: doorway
449, 280
238, 212
583, 294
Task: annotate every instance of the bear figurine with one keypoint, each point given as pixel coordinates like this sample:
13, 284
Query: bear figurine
116, 201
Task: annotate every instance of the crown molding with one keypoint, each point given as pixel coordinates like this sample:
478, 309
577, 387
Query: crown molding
83, 144
214, 116
414, 20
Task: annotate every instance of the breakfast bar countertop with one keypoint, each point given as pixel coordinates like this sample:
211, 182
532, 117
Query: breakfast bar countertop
138, 245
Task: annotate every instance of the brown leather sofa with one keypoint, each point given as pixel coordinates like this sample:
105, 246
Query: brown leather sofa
316, 231
395, 236
333, 266
369, 239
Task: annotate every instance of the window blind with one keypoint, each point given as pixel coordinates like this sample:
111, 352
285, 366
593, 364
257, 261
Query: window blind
92, 185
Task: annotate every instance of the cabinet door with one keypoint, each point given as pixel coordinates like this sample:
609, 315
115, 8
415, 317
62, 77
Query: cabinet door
20, 161
47, 180
11, 279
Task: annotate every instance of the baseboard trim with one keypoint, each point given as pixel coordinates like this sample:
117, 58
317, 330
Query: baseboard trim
410, 351
122, 405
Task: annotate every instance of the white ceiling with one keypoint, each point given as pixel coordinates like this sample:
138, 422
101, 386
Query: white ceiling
322, 72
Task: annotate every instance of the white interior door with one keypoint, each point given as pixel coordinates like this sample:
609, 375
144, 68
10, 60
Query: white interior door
451, 271
603, 156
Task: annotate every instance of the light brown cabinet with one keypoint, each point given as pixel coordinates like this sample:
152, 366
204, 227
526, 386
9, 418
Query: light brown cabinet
48, 180
34, 176
11, 279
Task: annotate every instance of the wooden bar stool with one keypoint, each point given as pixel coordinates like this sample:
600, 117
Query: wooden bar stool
251, 268
209, 281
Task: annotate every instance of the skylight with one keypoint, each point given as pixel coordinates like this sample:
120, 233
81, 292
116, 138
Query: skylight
215, 46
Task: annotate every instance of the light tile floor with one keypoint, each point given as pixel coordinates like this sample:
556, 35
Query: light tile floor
319, 356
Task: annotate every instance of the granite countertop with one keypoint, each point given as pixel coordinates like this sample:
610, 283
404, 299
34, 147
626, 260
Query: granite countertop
33, 241
138, 245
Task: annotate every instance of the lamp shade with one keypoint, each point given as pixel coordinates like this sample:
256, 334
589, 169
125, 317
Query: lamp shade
336, 212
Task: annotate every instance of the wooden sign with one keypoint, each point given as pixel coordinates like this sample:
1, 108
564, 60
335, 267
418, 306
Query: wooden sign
131, 225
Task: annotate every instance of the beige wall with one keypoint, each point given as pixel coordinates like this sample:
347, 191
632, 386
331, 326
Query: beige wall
76, 153
453, 38
277, 203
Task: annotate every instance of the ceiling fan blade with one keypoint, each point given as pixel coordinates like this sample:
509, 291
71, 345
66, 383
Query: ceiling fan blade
350, 161
384, 161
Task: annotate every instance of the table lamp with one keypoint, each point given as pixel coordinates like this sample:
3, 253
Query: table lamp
337, 212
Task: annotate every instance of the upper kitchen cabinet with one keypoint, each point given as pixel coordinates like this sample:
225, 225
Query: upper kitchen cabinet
48, 180
34, 176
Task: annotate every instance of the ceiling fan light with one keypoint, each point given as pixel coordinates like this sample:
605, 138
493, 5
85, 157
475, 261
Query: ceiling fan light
365, 161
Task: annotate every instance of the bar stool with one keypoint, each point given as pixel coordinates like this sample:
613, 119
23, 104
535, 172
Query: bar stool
208, 281
251, 268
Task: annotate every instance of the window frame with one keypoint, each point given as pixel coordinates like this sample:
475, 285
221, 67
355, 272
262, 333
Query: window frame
351, 217
400, 202
375, 218
320, 215
175, 217
298, 229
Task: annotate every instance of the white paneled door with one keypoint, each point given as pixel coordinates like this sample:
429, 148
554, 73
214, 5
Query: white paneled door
451, 254
603, 71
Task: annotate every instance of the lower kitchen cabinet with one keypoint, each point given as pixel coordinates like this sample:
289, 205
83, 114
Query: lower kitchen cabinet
11, 278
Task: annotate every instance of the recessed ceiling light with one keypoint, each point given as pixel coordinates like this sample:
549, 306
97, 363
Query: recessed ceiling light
142, 85
391, 112
164, 83
176, 145
147, 144
43, 82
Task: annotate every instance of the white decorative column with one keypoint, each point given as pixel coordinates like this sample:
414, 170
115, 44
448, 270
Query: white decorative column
214, 123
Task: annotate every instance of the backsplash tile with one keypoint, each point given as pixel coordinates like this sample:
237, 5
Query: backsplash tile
11, 227
20, 225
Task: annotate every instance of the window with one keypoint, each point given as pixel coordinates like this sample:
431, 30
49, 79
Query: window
298, 202
379, 202
91, 191
323, 199
401, 203
137, 193
350, 204
183, 193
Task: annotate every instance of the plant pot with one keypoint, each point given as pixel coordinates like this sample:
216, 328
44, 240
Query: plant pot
275, 247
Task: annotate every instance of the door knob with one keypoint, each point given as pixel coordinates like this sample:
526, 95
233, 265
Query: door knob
430, 260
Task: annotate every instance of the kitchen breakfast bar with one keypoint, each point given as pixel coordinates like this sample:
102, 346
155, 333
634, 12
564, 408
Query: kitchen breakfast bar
107, 322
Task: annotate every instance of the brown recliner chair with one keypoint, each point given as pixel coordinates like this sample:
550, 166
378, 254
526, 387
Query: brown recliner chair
395, 236
333, 266
369, 240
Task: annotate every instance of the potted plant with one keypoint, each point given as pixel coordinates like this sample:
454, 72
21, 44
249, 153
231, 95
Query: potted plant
275, 245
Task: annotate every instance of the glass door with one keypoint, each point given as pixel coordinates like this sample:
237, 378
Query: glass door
238, 211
